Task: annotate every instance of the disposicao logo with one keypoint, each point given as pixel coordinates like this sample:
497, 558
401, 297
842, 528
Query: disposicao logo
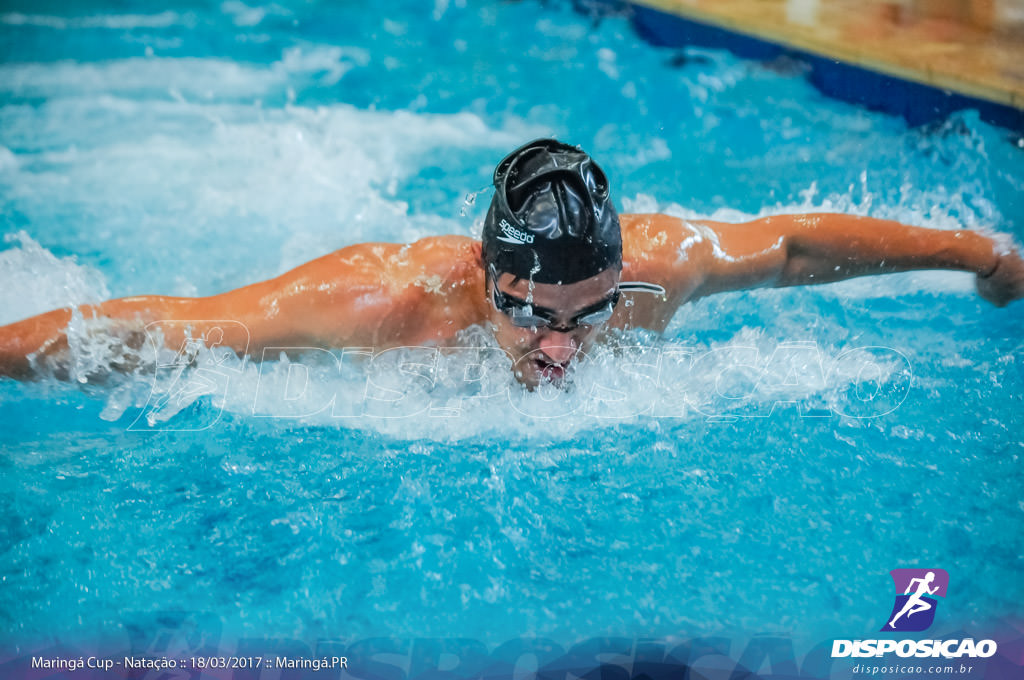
913, 612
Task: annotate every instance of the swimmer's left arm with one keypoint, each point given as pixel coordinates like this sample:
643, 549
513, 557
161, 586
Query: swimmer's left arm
791, 250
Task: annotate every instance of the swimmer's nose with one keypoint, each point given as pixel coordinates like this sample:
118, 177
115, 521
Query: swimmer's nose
559, 348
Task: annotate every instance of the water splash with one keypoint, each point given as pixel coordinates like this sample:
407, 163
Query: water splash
34, 280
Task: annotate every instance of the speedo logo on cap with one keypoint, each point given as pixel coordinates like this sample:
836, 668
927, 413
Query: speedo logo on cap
513, 235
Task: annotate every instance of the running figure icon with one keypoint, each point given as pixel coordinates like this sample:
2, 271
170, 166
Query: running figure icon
917, 592
914, 603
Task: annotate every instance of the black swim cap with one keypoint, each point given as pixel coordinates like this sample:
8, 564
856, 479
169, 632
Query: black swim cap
551, 220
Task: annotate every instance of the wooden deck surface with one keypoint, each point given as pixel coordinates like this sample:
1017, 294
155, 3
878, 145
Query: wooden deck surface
973, 47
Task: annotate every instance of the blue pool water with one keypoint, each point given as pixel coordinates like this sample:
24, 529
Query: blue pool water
680, 488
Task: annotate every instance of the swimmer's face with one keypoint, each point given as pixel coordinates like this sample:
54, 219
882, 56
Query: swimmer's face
543, 353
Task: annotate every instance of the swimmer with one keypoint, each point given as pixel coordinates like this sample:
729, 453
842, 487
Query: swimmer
555, 268
914, 603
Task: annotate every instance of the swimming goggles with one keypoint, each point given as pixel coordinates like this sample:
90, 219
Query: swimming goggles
523, 314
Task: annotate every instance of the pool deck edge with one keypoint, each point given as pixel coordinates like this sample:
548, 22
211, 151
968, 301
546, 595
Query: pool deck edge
974, 65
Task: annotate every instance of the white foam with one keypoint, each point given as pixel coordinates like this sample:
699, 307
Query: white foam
111, 21
449, 395
192, 78
8, 160
248, 16
34, 280
652, 150
297, 181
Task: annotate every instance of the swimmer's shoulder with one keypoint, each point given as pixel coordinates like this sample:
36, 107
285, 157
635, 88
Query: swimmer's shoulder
437, 285
452, 256
661, 248
452, 262
646, 237
434, 287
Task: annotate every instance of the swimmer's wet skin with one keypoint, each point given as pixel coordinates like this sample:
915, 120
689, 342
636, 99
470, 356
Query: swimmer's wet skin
550, 274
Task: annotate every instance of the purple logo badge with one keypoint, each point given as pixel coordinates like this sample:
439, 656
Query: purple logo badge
916, 590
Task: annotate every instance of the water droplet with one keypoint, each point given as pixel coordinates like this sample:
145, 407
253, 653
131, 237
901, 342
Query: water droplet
470, 200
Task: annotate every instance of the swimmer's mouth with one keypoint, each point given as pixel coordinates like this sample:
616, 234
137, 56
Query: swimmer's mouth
551, 371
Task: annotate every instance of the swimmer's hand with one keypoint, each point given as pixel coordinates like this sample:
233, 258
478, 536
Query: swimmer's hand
1005, 283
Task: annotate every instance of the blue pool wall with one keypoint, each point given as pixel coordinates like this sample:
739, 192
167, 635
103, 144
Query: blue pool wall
916, 103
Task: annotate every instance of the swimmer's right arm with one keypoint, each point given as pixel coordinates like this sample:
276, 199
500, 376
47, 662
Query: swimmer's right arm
43, 339
358, 296
45, 336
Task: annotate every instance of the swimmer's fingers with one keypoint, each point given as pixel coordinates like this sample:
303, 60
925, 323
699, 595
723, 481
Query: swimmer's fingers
1006, 282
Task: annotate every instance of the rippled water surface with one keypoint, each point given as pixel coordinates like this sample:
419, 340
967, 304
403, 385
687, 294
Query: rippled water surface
760, 467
